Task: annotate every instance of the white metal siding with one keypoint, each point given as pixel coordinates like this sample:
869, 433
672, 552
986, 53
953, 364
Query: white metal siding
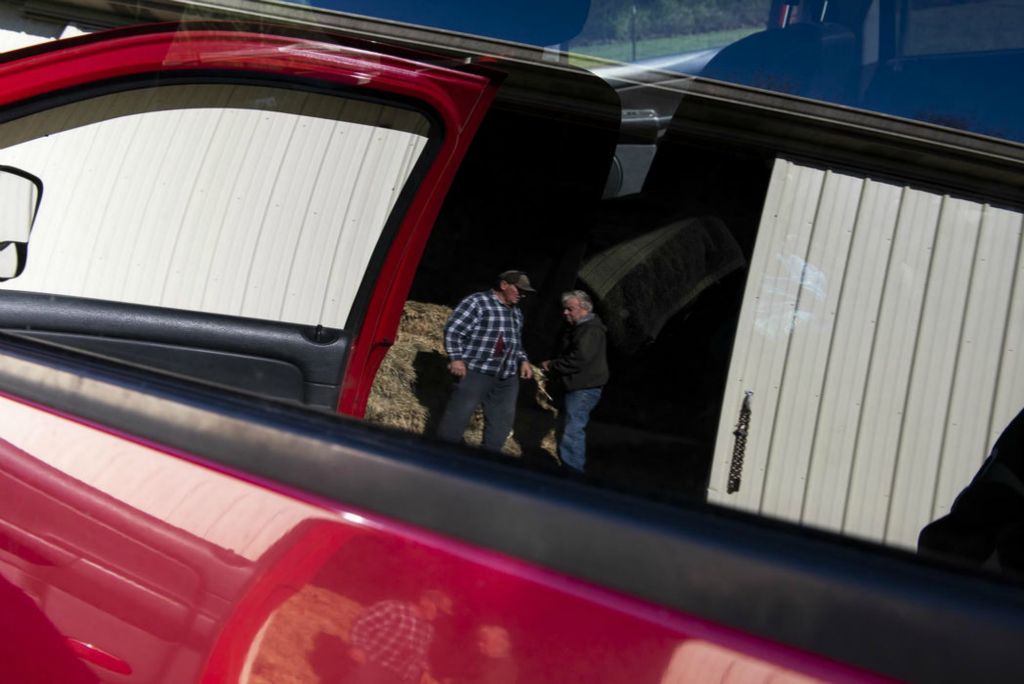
879, 335
16, 31
237, 200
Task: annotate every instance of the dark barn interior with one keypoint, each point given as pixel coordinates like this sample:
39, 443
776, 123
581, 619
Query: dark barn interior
534, 193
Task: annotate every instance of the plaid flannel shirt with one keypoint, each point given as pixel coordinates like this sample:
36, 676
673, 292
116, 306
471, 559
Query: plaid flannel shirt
486, 334
394, 636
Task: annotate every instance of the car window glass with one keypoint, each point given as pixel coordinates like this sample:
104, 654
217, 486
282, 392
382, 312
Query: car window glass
941, 62
823, 343
810, 344
677, 32
942, 26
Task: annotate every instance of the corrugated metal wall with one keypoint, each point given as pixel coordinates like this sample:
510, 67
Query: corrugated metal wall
237, 200
18, 30
880, 336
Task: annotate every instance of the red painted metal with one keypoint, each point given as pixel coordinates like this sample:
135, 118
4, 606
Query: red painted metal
396, 275
98, 656
453, 94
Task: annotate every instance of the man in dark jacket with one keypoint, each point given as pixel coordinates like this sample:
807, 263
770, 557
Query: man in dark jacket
582, 368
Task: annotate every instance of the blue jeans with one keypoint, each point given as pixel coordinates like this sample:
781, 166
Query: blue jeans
498, 396
572, 423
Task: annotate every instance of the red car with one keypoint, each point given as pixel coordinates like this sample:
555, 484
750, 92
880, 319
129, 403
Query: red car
211, 233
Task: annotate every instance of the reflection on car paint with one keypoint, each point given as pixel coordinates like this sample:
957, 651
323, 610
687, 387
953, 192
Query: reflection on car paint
218, 595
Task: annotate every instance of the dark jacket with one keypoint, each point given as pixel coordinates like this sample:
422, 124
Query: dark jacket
985, 526
581, 361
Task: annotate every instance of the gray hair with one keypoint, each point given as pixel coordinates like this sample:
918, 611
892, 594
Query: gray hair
579, 295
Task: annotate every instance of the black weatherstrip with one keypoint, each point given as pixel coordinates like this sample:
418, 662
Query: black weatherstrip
847, 601
282, 360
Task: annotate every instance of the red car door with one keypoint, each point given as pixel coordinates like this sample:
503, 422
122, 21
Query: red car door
108, 583
234, 205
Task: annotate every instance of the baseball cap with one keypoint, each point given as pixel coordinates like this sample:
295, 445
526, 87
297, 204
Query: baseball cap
517, 278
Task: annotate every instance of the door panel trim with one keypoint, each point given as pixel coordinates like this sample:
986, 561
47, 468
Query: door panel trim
301, 363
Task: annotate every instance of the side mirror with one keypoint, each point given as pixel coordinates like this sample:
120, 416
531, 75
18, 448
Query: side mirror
20, 193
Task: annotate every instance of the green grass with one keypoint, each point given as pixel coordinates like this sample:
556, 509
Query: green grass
654, 47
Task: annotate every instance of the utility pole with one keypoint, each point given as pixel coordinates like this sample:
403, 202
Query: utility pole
632, 31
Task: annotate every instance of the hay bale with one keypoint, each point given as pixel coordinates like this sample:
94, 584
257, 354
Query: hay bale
413, 383
400, 397
306, 621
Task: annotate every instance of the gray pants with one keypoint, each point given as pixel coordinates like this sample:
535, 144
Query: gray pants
498, 397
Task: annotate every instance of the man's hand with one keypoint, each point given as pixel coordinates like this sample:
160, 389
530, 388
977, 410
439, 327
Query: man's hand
457, 368
546, 365
525, 370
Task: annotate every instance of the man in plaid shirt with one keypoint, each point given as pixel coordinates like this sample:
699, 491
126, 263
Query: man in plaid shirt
390, 640
483, 338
